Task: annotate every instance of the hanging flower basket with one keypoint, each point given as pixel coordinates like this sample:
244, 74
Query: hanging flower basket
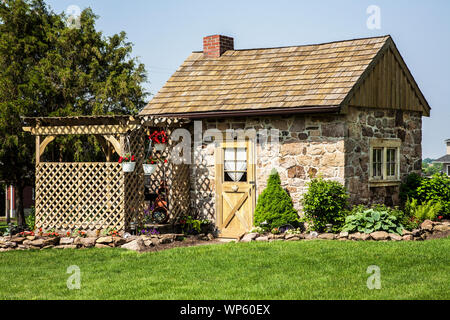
149, 169
151, 163
159, 139
128, 162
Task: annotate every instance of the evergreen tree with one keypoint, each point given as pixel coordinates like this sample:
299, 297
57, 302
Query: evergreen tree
274, 205
50, 69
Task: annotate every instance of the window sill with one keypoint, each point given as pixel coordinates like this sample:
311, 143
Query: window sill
384, 183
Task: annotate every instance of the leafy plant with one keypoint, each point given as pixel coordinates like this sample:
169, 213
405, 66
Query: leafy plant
30, 219
422, 212
191, 225
371, 220
274, 208
436, 188
324, 203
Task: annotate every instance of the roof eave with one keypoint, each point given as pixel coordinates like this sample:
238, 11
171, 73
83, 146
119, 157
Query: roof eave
253, 112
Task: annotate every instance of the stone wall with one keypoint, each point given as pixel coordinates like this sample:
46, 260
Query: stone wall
309, 146
363, 124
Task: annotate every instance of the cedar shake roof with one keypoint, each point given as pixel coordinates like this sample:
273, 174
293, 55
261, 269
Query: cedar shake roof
444, 159
296, 78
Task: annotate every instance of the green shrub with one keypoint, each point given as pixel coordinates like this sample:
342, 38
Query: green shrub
371, 220
275, 208
325, 202
408, 189
421, 212
437, 188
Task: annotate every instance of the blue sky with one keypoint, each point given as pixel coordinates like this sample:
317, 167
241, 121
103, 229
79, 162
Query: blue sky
165, 32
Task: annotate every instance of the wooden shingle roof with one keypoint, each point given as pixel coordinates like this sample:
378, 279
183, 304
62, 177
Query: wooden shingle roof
256, 80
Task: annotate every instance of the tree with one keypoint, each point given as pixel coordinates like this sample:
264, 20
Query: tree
275, 208
50, 69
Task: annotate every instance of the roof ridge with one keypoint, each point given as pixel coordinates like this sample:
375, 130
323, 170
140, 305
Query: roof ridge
307, 45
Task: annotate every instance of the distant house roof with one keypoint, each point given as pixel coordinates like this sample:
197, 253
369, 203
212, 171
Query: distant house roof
297, 78
444, 159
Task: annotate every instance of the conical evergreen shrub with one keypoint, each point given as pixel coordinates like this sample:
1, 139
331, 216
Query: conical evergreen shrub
275, 205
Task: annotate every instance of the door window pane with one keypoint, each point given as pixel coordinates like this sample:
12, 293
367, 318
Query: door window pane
235, 164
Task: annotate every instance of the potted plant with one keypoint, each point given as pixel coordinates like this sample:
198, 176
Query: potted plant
159, 139
128, 162
151, 163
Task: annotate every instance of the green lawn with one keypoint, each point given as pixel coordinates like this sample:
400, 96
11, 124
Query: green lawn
278, 270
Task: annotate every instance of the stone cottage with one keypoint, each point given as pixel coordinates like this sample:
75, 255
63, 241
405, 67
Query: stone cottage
349, 111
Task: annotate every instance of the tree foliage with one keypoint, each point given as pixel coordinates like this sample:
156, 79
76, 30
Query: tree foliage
274, 205
49, 69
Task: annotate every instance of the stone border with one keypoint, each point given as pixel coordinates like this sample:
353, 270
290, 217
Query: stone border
427, 230
136, 243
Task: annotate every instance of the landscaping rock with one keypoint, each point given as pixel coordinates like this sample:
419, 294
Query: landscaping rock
380, 235
395, 237
31, 238
249, 237
326, 236
66, 241
437, 228
37, 243
427, 225
88, 242
118, 241
46, 247
290, 236
416, 232
408, 237
166, 240
148, 243
51, 242
210, 237
343, 235
406, 232
294, 238
10, 244
104, 240
365, 237
312, 235
355, 236
18, 240
265, 238
135, 245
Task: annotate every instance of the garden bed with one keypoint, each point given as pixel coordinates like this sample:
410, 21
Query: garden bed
427, 230
142, 243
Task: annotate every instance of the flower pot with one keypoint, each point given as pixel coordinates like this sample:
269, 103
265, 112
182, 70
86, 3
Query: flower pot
160, 146
149, 168
128, 166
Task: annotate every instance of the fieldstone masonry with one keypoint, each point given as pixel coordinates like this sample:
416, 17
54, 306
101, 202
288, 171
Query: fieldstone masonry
333, 146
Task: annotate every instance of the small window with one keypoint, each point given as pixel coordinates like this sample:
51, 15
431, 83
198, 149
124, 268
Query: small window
235, 166
448, 170
384, 160
391, 163
377, 163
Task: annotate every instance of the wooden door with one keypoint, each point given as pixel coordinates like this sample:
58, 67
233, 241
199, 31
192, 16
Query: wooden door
235, 188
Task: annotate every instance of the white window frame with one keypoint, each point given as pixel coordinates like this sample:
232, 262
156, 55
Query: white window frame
385, 144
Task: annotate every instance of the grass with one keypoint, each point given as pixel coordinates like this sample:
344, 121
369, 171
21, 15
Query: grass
277, 270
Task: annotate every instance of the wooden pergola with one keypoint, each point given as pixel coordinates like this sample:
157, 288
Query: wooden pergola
99, 195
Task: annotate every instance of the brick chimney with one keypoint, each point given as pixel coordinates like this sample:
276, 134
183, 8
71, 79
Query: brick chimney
214, 46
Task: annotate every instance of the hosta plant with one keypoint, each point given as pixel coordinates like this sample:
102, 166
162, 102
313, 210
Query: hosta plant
372, 220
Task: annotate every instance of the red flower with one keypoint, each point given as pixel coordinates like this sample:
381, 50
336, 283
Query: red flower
120, 159
132, 158
440, 217
165, 161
